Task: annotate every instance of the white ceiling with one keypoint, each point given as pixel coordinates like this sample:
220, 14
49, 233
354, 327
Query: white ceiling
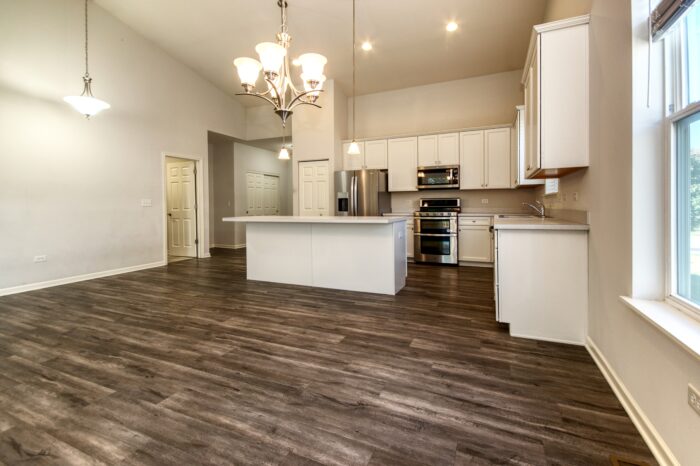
411, 46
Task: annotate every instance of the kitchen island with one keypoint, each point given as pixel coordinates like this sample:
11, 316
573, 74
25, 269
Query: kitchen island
346, 253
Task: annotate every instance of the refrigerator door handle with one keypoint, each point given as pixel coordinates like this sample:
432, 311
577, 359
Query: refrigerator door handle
353, 195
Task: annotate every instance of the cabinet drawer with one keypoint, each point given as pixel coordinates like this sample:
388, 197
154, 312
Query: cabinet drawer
469, 221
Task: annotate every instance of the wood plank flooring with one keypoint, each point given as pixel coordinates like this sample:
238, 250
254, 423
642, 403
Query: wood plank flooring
192, 364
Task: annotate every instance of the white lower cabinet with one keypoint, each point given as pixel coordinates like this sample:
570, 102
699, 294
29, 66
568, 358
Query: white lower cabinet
541, 283
475, 240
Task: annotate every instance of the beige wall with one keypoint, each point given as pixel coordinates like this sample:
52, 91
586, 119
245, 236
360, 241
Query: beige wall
623, 190
224, 197
560, 9
71, 188
481, 101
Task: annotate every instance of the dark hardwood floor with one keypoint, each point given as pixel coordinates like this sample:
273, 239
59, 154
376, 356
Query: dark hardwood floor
192, 364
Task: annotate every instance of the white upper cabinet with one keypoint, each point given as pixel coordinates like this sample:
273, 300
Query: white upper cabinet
403, 164
438, 149
376, 155
557, 98
485, 159
428, 151
372, 156
497, 162
448, 149
356, 161
471, 171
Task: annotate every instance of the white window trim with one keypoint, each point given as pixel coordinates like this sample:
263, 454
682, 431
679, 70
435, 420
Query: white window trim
671, 297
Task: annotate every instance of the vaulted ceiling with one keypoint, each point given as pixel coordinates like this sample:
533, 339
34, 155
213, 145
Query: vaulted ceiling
411, 45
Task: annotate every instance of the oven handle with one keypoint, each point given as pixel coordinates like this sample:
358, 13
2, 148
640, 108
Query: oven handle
443, 235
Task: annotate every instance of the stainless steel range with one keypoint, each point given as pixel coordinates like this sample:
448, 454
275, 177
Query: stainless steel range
435, 231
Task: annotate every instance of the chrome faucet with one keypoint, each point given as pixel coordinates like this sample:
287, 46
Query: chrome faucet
537, 207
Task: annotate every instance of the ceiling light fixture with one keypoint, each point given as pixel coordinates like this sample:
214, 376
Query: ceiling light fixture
354, 147
451, 26
85, 103
274, 62
284, 153
367, 46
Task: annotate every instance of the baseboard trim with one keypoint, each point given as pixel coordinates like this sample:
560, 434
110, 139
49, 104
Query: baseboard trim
78, 278
651, 436
228, 246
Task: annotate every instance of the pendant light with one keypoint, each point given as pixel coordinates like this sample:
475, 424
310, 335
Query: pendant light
284, 153
85, 103
354, 147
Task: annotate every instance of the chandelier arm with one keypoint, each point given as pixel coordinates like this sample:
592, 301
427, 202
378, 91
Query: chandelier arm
255, 94
302, 94
280, 98
303, 102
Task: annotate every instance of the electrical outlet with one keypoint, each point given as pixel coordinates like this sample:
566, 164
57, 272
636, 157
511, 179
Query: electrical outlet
694, 398
563, 197
146, 203
575, 196
484, 201
41, 258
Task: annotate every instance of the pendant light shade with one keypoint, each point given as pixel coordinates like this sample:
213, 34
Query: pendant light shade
354, 148
284, 154
86, 103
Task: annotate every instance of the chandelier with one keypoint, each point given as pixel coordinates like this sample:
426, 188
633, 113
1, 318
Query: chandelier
274, 63
86, 103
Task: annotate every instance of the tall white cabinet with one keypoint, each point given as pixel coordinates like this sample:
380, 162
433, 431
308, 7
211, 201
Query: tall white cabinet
556, 82
485, 159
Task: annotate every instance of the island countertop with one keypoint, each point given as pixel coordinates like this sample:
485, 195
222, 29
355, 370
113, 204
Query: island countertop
330, 219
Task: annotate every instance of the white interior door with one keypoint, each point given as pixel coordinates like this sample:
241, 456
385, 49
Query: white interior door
313, 188
181, 207
255, 186
271, 196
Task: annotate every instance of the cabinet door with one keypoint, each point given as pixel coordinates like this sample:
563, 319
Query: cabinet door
375, 155
532, 116
497, 143
563, 97
353, 162
428, 151
403, 164
471, 157
475, 244
409, 237
448, 149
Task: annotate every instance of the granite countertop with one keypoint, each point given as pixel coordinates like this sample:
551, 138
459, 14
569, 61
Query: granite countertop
536, 223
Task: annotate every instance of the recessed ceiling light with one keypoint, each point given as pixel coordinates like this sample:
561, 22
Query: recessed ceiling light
296, 62
367, 46
451, 26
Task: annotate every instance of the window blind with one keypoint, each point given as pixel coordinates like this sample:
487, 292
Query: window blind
666, 14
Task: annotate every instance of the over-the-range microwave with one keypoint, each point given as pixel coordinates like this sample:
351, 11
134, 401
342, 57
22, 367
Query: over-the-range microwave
443, 177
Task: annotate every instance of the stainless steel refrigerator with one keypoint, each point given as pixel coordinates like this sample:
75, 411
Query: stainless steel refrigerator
362, 193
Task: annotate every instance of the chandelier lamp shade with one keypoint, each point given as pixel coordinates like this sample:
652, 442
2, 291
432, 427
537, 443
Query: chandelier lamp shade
274, 64
86, 103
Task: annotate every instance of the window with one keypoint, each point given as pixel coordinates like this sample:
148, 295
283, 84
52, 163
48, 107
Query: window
551, 186
683, 95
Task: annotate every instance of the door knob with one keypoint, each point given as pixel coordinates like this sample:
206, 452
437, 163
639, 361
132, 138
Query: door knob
169, 214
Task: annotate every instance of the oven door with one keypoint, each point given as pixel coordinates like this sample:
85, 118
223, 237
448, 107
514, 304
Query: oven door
435, 225
438, 177
435, 248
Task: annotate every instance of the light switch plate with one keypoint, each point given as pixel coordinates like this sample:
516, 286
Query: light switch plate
146, 203
484, 201
41, 258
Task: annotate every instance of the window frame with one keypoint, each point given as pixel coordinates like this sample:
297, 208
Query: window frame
672, 296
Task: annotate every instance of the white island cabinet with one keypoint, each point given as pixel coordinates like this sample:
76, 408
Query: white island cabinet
345, 253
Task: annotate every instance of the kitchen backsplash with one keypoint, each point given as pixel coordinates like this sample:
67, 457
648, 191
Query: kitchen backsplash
499, 200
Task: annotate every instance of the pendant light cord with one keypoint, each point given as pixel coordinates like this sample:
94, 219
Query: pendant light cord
86, 39
354, 95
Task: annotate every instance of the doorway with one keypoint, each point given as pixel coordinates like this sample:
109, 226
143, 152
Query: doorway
181, 208
314, 185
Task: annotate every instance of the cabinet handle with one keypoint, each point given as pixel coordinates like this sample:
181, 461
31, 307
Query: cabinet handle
528, 167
